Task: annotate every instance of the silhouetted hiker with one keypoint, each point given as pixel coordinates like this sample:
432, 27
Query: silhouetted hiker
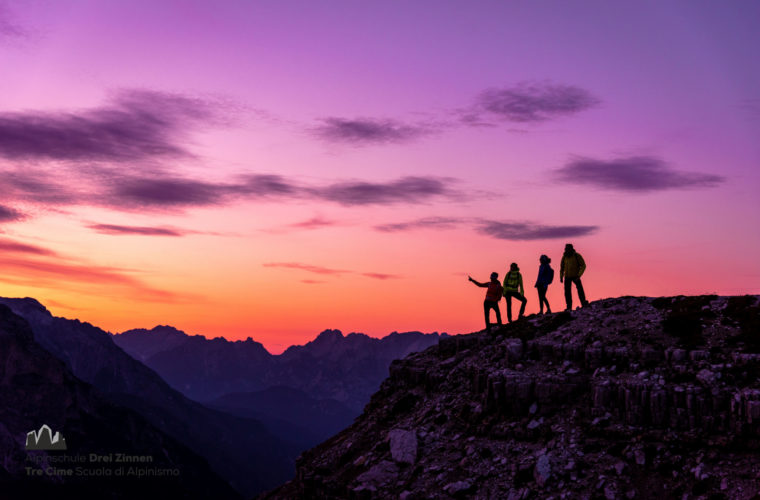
572, 268
512, 283
493, 296
545, 277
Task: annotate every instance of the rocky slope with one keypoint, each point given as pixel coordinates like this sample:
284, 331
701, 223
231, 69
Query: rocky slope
627, 398
36, 389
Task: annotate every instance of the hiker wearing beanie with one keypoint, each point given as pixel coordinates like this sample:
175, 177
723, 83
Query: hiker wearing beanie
572, 268
493, 296
513, 287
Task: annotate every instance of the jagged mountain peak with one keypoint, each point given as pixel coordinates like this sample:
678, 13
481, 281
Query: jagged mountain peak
167, 330
329, 336
631, 397
27, 307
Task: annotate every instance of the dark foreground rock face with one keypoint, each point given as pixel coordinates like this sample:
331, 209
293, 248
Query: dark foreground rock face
627, 398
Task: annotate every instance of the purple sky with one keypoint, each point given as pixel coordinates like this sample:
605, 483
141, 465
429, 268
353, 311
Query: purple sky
192, 162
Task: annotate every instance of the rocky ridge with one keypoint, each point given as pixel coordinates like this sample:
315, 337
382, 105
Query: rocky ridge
630, 397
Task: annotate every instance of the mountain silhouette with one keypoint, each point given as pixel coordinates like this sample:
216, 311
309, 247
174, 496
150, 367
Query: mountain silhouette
38, 391
241, 450
333, 366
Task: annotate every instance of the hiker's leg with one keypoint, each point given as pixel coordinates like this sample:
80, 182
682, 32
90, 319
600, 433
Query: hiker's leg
522, 307
581, 293
541, 299
486, 308
568, 293
508, 299
497, 311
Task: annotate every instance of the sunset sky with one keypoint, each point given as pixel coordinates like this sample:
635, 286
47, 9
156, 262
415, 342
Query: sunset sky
275, 168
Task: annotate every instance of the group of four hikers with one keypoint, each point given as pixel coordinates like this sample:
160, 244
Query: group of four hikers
570, 270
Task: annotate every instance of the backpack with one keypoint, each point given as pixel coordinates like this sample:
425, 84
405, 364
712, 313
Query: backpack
513, 280
494, 292
549, 275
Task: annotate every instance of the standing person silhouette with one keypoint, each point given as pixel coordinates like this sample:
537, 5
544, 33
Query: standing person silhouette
545, 277
572, 268
493, 296
512, 283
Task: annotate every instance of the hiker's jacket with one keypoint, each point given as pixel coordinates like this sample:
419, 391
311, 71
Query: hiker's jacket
572, 266
494, 291
513, 282
544, 272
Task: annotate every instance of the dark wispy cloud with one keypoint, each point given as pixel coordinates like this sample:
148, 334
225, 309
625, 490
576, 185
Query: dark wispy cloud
8, 214
167, 192
37, 185
313, 282
362, 131
505, 230
306, 267
8, 27
137, 230
266, 186
132, 125
37, 266
424, 223
632, 174
7, 245
309, 268
404, 190
381, 276
520, 231
524, 102
529, 102
313, 223
177, 192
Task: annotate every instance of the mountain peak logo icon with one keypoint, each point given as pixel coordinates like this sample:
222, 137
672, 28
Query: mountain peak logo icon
44, 439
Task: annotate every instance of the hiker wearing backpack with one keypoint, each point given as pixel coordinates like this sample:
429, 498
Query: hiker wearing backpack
513, 287
572, 268
493, 296
545, 277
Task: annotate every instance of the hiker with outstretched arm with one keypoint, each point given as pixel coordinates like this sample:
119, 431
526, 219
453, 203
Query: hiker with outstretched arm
572, 268
545, 277
493, 296
513, 287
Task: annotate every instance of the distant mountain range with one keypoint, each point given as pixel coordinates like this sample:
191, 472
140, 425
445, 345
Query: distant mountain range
39, 391
303, 396
241, 450
347, 369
